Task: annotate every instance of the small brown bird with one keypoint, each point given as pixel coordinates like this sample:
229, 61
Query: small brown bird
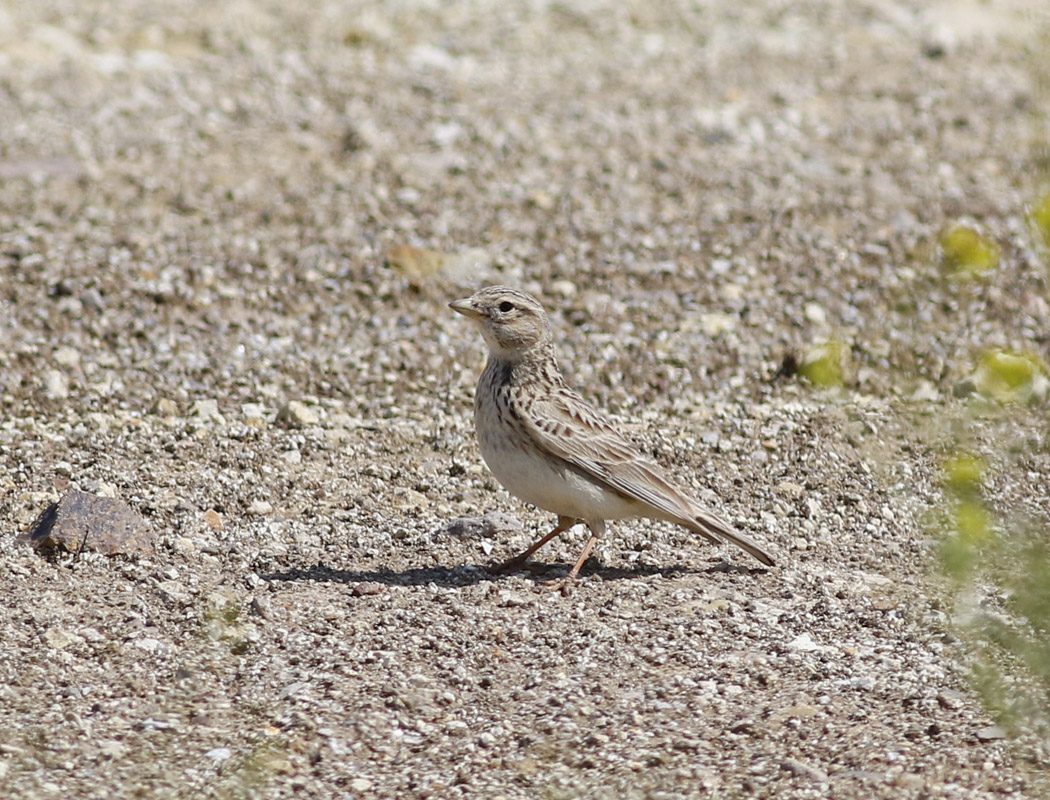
549, 447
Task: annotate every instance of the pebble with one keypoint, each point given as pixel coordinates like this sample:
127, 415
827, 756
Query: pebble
801, 770
111, 748
219, 754
260, 508
174, 592
991, 733
253, 414
816, 314
544, 201
565, 289
716, 322
165, 407
804, 643
366, 588
490, 525
56, 384
207, 410
296, 414
59, 638
261, 606
67, 357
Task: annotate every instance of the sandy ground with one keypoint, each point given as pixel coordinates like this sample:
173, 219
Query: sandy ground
210, 307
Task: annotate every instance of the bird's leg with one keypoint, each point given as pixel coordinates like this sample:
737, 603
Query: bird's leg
564, 523
587, 549
565, 585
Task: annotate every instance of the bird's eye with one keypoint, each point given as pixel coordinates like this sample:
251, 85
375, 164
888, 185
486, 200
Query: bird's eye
506, 306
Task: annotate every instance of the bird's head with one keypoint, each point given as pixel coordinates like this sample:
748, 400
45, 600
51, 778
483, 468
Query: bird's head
512, 322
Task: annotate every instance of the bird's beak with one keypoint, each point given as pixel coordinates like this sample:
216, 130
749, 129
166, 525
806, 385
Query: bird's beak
465, 307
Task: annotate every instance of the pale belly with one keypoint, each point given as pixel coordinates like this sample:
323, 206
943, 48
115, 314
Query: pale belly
550, 484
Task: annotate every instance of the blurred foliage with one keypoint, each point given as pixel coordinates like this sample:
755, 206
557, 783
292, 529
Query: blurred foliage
996, 553
1040, 218
825, 364
1011, 377
966, 254
1000, 567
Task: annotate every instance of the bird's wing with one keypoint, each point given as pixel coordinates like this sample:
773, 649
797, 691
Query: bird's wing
565, 426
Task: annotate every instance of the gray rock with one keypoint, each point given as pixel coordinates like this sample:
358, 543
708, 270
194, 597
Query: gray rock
82, 521
490, 525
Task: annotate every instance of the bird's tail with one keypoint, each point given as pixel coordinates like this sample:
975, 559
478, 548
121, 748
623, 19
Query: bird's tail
716, 530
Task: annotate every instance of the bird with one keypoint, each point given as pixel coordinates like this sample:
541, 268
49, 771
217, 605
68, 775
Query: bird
549, 447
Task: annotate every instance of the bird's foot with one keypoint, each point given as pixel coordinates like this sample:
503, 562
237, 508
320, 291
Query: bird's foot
563, 586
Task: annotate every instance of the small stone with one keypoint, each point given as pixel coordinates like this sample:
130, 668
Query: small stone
366, 588
360, 784
165, 407
804, 644
91, 298
260, 508
512, 600
991, 733
82, 521
149, 645
800, 711
965, 387
111, 748
800, 770
66, 357
538, 198
213, 519
254, 414
59, 638
794, 490
716, 322
566, 289
492, 524
207, 410
261, 607
296, 414
446, 134
925, 392
950, 699
174, 592
56, 384
409, 499
816, 314
219, 754
939, 41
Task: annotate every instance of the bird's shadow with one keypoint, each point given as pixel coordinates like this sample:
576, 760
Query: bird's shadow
470, 574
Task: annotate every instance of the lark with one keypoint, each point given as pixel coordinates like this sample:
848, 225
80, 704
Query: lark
550, 448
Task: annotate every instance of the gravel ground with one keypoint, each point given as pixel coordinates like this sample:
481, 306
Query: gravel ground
213, 305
